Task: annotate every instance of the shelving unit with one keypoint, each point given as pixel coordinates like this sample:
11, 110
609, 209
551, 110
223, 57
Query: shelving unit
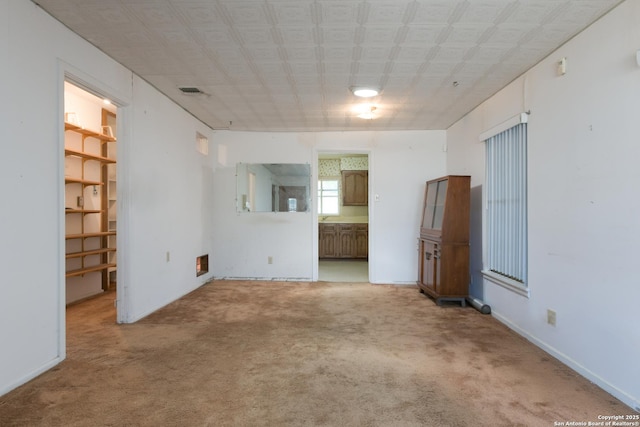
109, 198
90, 240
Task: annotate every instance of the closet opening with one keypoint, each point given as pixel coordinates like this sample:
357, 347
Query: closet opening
90, 194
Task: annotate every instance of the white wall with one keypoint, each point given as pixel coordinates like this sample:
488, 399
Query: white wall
583, 201
399, 165
164, 201
169, 202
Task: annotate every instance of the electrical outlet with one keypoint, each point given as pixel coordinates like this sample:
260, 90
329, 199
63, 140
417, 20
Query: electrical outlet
270, 260
551, 317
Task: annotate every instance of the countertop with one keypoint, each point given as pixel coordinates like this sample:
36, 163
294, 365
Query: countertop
344, 220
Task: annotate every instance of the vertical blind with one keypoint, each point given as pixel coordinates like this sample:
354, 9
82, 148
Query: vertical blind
506, 192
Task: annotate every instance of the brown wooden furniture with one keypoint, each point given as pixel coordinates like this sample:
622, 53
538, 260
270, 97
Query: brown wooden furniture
93, 252
444, 239
328, 241
109, 199
355, 188
343, 241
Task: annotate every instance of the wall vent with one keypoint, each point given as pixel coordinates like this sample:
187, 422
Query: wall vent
202, 265
190, 90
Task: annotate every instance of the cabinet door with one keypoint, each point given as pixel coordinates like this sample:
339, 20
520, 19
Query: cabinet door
429, 274
438, 210
327, 247
355, 188
346, 241
362, 241
429, 204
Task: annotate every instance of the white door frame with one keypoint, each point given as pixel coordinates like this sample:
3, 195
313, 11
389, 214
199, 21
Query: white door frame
314, 189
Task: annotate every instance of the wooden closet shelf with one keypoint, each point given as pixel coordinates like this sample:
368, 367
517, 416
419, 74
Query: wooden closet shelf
81, 271
82, 211
88, 253
85, 235
68, 180
87, 156
88, 132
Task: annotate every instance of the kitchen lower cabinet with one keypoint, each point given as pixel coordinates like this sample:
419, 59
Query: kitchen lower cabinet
327, 241
362, 241
343, 241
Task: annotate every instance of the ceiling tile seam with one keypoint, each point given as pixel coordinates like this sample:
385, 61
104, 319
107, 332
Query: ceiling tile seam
265, 87
229, 81
290, 75
410, 12
506, 13
294, 86
362, 14
554, 14
270, 14
458, 12
444, 35
401, 35
316, 13
228, 20
316, 19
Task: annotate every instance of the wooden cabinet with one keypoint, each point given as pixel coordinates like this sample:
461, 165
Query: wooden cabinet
444, 239
87, 231
362, 241
355, 188
327, 244
346, 241
343, 241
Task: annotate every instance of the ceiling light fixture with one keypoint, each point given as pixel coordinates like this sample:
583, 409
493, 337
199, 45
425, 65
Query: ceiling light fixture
364, 92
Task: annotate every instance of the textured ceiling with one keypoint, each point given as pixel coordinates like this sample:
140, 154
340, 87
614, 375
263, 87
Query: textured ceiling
287, 65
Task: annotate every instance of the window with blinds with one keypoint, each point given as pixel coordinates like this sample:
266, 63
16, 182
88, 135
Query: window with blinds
506, 206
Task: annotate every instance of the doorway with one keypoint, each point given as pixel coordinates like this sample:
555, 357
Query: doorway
90, 194
343, 217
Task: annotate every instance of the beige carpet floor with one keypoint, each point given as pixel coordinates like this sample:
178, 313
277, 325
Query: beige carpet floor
301, 354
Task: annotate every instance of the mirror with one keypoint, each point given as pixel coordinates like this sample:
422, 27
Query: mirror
273, 187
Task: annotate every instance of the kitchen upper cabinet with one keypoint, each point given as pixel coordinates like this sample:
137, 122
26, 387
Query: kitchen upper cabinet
355, 188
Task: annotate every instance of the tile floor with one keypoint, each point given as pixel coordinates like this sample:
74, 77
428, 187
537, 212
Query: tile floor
343, 271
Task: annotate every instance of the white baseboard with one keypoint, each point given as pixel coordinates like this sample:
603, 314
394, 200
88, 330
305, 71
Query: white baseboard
626, 398
25, 379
